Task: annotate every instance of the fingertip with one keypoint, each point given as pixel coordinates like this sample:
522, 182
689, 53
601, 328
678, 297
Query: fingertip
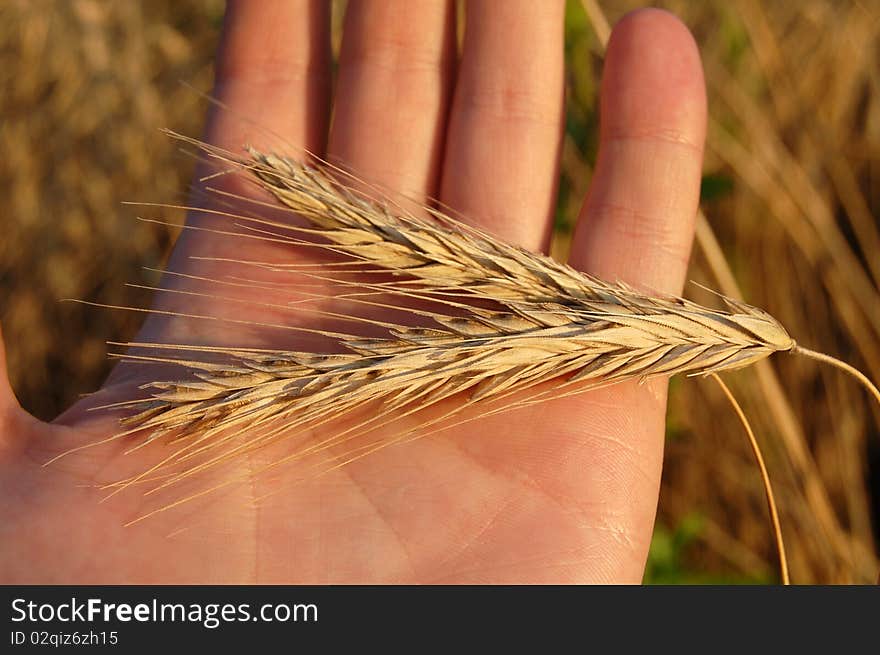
654, 77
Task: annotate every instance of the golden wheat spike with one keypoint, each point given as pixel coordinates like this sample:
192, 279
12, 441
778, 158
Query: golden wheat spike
547, 322
485, 321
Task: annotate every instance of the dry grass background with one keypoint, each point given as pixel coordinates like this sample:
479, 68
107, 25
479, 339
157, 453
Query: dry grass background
790, 188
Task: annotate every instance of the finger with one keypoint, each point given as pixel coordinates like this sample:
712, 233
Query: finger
636, 226
272, 84
502, 148
14, 421
395, 72
637, 222
273, 75
8, 403
272, 87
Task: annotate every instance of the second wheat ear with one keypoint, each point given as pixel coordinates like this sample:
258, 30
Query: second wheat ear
484, 322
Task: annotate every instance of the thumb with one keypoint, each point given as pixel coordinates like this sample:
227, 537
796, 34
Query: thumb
13, 419
7, 397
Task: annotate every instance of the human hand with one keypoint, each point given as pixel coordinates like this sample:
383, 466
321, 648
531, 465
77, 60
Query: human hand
564, 491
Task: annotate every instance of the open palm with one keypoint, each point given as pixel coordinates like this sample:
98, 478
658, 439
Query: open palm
563, 491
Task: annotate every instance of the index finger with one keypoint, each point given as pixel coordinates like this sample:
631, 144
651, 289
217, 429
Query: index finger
273, 75
272, 87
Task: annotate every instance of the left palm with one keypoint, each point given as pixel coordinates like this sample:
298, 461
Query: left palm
562, 491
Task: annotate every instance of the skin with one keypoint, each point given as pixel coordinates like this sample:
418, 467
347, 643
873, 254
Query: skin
561, 492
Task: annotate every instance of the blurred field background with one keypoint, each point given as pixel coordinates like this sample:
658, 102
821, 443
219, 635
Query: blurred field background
791, 189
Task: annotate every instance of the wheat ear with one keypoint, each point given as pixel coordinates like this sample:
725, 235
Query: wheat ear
486, 321
544, 322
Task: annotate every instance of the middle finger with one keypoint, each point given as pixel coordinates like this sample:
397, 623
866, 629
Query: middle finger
395, 73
